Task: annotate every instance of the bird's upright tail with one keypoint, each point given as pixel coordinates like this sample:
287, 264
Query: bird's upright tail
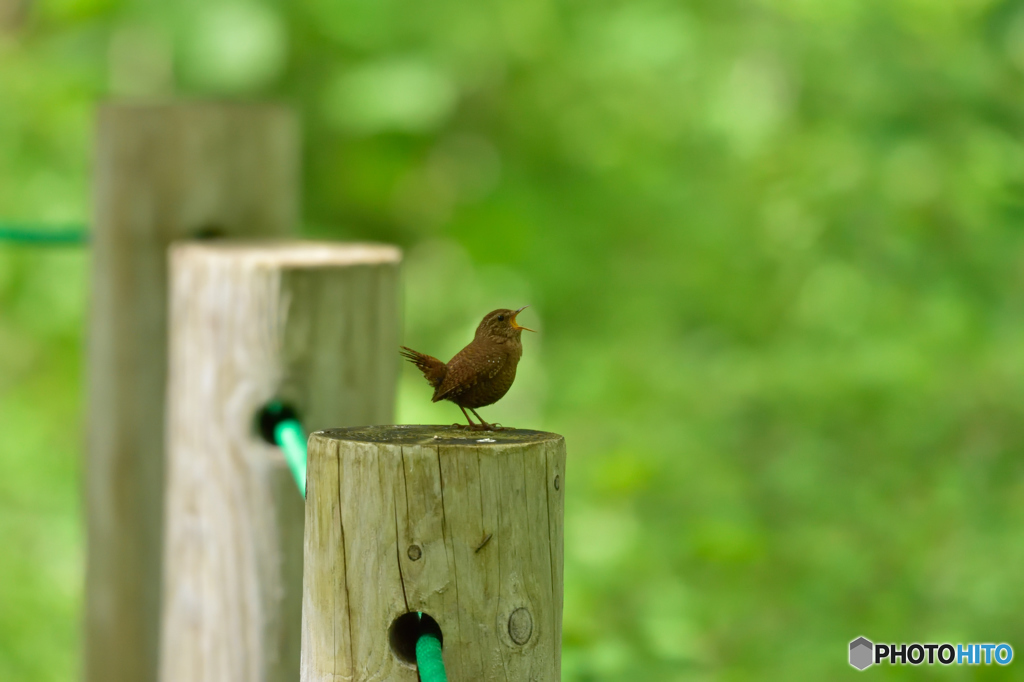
432, 368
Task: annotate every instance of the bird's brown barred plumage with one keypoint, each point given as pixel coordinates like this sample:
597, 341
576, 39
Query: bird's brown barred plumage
482, 372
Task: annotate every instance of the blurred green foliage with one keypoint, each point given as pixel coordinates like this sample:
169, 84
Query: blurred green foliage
774, 249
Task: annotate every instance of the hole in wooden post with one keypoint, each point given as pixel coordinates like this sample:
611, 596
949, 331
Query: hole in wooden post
209, 231
406, 631
272, 414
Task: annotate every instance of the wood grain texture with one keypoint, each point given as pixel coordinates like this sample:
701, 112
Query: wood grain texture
162, 172
313, 325
438, 520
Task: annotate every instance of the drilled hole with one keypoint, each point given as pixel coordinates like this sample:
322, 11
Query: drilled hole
270, 416
405, 632
207, 232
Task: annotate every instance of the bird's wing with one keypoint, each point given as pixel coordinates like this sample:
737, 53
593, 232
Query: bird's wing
471, 366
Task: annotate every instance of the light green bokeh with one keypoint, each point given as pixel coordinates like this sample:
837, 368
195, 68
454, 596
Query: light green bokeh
404, 94
230, 47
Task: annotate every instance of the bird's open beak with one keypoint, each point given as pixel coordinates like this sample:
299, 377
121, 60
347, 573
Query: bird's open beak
516, 326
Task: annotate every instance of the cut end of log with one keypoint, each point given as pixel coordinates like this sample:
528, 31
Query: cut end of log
422, 434
283, 253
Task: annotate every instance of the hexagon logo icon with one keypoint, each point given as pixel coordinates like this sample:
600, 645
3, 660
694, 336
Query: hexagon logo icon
861, 651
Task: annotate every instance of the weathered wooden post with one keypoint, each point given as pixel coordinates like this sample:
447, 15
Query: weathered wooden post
465, 527
163, 172
314, 325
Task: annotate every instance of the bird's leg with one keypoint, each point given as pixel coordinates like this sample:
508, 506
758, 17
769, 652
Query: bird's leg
484, 425
471, 424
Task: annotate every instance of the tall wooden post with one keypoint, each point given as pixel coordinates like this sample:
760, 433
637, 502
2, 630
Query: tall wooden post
313, 325
163, 172
465, 527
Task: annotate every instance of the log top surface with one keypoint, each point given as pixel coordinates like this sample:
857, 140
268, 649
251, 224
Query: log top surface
289, 252
421, 434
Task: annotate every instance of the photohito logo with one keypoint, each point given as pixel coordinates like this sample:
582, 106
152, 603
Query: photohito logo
863, 653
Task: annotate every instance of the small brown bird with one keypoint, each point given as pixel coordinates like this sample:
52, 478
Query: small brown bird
482, 372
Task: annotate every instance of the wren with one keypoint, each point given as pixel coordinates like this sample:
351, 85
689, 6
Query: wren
481, 373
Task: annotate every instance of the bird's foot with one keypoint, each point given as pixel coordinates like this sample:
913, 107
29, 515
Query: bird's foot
483, 426
474, 427
491, 427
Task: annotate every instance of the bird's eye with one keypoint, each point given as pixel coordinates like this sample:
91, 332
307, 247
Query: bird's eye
501, 318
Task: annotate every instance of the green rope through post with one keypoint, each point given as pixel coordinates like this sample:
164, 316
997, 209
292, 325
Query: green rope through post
288, 434
16, 233
428, 658
279, 423
291, 438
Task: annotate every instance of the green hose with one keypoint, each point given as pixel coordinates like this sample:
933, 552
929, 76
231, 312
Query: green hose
429, 660
31, 234
291, 438
288, 434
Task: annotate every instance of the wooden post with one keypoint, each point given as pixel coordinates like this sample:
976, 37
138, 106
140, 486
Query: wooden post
163, 172
463, 526
313, 325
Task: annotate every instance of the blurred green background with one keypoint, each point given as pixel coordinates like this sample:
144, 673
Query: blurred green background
774, 249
